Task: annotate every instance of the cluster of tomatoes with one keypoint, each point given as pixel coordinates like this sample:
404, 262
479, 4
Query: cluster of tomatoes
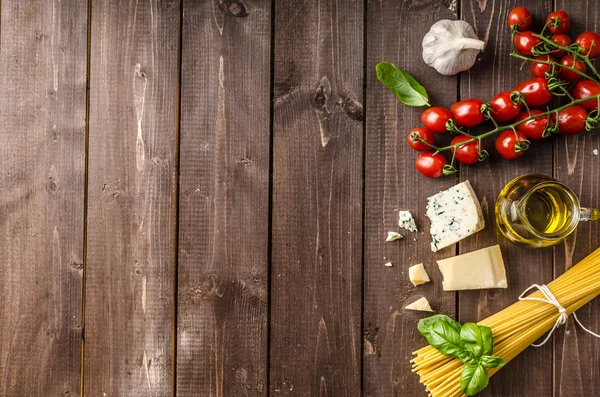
518, 104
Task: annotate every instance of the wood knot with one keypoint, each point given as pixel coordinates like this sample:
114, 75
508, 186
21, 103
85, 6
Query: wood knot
39, 36
77, 265
322, 92
352, 108
245, 161
52, 185
237, 8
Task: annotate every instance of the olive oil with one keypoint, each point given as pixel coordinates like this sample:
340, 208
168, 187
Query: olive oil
535, 211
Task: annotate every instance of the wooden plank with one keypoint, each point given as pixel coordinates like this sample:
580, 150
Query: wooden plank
497, 72
224, 206
42, 176
577, 354
129, 310
317, 198
395, 31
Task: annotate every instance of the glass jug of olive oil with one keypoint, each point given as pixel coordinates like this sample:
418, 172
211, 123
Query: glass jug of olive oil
536, 211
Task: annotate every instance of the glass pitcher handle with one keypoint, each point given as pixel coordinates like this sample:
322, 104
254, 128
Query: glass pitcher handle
589, 214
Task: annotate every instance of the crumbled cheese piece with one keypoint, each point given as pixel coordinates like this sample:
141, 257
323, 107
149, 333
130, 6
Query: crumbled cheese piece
421, 304
406, 221
595, 151
389, 264
418, 275
392, 236
475, 270
455, 214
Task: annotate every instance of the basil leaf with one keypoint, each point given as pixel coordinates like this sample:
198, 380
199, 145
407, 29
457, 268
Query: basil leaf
472, 338
474, 379
492, 362
445, 338
488, 340
468, 358
407, 89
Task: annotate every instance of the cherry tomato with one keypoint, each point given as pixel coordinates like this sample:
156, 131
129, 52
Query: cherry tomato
519, 18
435, 119
503, 107
589, 41
431, 165
467, 153
534, 128
506, 144
562, 40
567, 74
467, 113
558, 21
571, 121
584, 89
425, 135
539, 69
525, 41
535, 90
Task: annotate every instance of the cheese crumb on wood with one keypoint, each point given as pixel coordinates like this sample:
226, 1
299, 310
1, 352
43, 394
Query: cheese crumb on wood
388, 264
476, 270
406, 221
421, 304
455, 214
418, 275
393, 236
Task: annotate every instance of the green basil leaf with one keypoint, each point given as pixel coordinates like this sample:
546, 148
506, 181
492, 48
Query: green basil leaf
474, 379
468, 358
488, 340
472, 338
407, 89
445, 338
492, 362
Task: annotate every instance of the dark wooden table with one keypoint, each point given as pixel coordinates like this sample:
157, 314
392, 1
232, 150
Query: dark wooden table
194, 197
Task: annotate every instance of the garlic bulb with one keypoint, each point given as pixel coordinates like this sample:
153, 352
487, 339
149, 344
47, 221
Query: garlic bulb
451, 46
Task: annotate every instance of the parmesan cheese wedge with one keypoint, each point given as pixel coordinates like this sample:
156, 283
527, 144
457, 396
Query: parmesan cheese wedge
418, 275
475, 270
421, 304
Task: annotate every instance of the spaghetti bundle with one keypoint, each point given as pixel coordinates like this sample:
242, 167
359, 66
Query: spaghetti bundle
514, 328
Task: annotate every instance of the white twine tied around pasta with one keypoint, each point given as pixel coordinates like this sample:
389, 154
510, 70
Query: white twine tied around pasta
551, 299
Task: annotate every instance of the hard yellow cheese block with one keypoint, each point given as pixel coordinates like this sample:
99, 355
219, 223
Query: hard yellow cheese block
475, 270
418, 275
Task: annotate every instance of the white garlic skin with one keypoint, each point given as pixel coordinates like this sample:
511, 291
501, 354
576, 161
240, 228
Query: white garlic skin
451, 46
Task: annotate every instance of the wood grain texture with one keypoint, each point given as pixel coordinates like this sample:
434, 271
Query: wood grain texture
577, 354
393, 184
317, 199
42, 172
132, 164
497, 72
224, 199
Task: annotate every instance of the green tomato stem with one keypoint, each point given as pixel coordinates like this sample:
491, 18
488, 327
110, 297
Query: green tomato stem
554, 64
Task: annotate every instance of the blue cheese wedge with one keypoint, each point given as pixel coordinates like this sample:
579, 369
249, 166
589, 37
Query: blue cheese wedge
406, 221
455, 214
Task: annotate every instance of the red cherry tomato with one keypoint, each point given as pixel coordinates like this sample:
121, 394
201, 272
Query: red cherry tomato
506, 144
571, 121
534, 128
562, 40
519, 18
558, 21
589, 40
467, 153
535, 90
539, 69
525, 41
431, 165
425, 135
584, 89
435, 119
567, 74
503, 107
467, 113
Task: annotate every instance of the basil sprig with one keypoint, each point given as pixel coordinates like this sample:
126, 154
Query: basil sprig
407, 89
471, 343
